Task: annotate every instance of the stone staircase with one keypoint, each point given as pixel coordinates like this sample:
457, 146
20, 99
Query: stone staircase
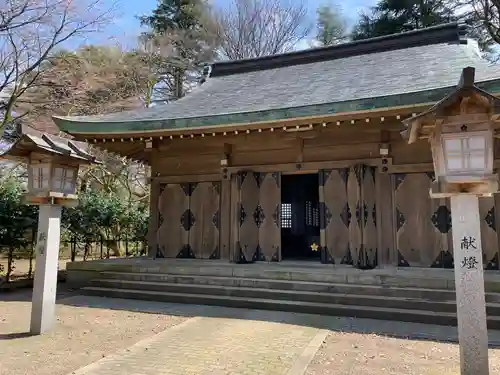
409, 303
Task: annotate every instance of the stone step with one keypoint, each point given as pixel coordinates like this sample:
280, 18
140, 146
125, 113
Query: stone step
290, 295
370, 312
306, 286
319, 273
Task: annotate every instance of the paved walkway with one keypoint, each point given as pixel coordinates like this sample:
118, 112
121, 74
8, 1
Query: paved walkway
204, 345
101, 336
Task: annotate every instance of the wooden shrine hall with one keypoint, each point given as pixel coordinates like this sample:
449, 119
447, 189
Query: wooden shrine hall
300, 156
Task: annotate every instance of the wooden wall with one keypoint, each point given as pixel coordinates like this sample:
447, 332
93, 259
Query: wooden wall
401, 225
424, 229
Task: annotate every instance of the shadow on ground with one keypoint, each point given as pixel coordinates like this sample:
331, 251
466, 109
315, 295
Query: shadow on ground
413, 331
15, 336
24, 294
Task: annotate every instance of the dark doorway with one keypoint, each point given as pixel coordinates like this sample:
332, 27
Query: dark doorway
300, 217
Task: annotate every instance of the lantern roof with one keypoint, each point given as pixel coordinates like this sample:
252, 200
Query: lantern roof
19, 141
423, 124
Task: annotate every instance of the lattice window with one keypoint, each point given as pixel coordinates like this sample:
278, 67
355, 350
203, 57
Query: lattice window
286, 215
309, 214
41, 176
465, 154
63, 180
315, 217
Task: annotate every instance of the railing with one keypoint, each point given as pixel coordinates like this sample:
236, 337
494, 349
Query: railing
19, 263
102, 248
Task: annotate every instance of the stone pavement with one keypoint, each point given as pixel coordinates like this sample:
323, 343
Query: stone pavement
105, 336
204, 345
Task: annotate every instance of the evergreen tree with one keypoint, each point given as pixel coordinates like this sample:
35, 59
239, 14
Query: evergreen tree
395, 16
330, 26
184, 33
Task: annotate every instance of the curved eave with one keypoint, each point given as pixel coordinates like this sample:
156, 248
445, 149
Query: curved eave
91, 129
28, 140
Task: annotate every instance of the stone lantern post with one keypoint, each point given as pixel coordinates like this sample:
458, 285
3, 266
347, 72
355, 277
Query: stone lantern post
461, 130
53, 164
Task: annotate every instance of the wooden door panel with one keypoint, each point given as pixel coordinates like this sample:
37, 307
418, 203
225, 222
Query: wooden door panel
424, 228
489, 238
335, 216
355, 203
204, 234
369, 215
175, 220
268, 217
249, 200
422, 223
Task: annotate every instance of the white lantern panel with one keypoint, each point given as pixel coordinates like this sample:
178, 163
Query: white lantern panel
466, 154
455, 163
63, 180
477, 161
58, 173
453, 145
477, 142
57, 179
68, 186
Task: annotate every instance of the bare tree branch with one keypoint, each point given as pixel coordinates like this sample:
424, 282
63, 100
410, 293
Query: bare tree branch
487, 12
30, 32
254, 28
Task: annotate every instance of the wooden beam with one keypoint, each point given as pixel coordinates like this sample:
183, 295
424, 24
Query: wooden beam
308, 166
300, 150
411, 168
422, 167
187, 178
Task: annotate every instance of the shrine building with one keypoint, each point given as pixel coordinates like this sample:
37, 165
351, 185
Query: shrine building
299, 156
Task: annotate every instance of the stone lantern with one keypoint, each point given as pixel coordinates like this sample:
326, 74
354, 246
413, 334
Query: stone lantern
461, 129
53, 164
50, 179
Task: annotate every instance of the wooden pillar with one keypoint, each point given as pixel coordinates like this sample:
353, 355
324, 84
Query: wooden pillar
225, 217
152, 236
387, 254
234, 250
322, 217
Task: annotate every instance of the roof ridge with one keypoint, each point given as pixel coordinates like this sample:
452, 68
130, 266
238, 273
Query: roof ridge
454, 32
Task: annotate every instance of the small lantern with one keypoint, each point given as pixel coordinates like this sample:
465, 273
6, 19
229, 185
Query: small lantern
53, 164
44, 178
460, 129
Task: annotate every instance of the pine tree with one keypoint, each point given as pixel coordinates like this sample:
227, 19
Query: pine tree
184, 33
330, 26
395, 16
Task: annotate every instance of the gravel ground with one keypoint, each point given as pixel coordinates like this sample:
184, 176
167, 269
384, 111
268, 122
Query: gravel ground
357, 354
83, 335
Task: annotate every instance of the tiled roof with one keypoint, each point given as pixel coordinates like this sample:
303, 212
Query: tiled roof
402, 69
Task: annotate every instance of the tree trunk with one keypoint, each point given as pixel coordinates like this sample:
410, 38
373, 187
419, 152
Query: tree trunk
32, 252
10, 264
114, 245
86, 251
73, 249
